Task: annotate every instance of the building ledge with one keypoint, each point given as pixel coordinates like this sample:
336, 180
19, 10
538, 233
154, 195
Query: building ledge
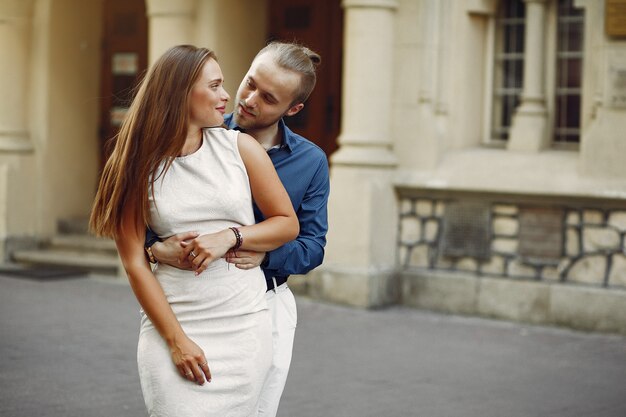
548, 173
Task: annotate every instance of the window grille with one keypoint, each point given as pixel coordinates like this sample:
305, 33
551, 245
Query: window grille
508, 66
569, 64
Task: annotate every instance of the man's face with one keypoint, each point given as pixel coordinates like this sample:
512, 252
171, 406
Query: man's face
266, 94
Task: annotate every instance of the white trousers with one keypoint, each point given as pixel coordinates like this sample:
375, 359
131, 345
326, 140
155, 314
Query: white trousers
282, 306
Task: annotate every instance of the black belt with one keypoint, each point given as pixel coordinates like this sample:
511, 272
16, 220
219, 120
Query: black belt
279, 281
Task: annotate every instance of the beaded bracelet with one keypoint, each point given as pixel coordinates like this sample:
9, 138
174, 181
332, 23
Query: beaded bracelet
238, 237
151, 257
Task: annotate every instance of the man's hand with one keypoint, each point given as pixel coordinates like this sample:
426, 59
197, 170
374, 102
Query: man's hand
170, 250
245, 259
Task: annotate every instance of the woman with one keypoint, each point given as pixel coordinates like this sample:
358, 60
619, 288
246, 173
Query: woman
173, 168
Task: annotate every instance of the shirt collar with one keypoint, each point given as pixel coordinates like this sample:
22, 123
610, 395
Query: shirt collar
289, 141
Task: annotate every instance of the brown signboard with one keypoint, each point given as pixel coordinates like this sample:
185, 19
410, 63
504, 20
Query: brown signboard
615, 18
540, 232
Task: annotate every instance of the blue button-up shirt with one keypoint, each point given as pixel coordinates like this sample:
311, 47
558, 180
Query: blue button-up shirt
303, 169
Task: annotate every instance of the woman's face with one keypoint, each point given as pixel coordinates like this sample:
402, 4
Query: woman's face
207, 101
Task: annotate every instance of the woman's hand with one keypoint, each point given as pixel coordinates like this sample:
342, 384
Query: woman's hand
187, 356
207, 248
190, 360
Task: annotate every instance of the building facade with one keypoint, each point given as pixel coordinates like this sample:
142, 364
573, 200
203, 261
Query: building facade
479, 164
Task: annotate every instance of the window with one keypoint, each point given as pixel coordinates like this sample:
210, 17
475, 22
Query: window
569, 64
508, 69
508, 66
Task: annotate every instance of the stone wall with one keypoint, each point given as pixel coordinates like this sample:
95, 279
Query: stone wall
532, 258
575, 241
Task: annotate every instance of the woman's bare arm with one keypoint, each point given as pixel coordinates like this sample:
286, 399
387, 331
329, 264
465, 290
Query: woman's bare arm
186, 355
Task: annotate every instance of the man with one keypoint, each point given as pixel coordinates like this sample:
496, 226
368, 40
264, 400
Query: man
280, 79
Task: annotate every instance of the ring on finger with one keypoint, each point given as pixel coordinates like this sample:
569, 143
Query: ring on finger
193, 254
189, 373
203, 364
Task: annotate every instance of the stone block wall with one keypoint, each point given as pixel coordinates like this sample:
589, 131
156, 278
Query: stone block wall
542, 259
542, 238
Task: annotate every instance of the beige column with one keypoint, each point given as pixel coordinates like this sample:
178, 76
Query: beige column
15, 47
602, 147
529, 128
359, 265
169, 23
367, 84
427, 149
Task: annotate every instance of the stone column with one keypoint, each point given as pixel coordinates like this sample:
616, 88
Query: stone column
529, 128
602, 147
367, 84
427, 148
169, 23
15, 71
359, 264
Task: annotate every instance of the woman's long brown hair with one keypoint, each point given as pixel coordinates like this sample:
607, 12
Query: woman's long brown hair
153, 132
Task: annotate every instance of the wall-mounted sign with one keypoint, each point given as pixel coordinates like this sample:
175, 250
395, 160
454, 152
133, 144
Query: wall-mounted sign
117, 115
616, 80
540, 232
125, 63
615, 18
466, 230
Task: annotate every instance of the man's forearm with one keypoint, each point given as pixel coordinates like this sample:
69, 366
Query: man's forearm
296, 257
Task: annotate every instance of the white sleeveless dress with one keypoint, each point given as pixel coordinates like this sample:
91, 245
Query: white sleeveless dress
223, 309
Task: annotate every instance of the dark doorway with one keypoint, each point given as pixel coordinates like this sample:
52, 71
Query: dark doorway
317, 24
124, 61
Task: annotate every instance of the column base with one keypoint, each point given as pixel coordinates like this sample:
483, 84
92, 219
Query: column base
360, 254
364, 156
15, 141
529, 131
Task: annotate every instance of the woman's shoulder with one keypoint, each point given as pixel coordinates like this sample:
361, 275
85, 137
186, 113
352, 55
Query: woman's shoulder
220, 136
219, 132
247, 143
222, 141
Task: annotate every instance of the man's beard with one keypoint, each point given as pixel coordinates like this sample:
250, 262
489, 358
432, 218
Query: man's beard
254, 124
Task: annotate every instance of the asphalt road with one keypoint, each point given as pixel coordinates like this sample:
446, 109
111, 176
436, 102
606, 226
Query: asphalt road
67, 349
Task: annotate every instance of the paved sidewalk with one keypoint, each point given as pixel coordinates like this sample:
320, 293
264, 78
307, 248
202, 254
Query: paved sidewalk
67, 349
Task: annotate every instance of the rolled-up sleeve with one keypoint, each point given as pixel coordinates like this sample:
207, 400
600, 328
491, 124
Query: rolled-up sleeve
306, 252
